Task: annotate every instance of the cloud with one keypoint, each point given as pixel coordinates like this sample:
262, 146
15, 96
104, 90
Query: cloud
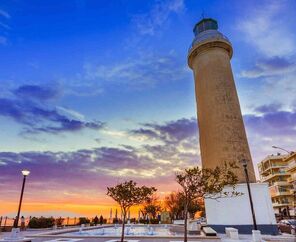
92, 170
270, 67
149, 23
173, 146
270, 108
170, 132
270, 126
69, 112
176, 142
143, 71
272, 123
30, 108
4, 14
37, 92
3, 40
267, 29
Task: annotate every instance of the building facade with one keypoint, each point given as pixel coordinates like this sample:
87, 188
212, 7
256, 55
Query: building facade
291, 160
275, 170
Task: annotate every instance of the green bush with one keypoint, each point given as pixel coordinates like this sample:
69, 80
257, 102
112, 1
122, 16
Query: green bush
41, 222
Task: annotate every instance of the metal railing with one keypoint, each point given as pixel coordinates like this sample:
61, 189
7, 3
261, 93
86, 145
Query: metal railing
7, 222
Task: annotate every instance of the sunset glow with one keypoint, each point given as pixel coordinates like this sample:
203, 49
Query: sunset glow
94, 93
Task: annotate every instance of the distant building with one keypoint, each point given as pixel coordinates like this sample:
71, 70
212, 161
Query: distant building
275, 171
291, 160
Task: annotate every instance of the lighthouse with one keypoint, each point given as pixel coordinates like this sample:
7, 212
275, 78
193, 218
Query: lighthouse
222, 133
221, 127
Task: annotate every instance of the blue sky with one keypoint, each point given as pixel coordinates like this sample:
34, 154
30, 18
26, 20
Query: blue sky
110, 78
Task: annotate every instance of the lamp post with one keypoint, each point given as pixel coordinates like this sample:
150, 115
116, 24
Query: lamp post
245, 164
25, 174
280, 148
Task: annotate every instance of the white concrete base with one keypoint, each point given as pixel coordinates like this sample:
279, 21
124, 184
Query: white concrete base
236, 211
15, 236
178, 222
231, 233
256, 236
63, 240
16, 240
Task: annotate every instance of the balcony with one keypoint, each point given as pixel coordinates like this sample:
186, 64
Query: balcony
291, 179
282, 193
264, 170
291, 166
282, 173
281, 183
282, 204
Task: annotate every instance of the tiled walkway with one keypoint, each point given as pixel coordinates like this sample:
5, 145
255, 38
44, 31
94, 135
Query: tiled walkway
243, 238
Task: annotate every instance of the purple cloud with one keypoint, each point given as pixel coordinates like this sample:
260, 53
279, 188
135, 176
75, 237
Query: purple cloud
170, 132
97, 168
271, 108
37, 92
270, 67
30, 108
272, 123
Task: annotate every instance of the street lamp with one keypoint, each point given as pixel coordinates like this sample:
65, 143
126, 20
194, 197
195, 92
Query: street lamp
280, 148
245, 164
25, 174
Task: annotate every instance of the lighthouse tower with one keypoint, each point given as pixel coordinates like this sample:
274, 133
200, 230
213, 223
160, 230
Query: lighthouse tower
221, 128
222, 132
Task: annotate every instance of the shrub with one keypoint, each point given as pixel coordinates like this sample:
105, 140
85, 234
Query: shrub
143, 221
41, 222
133, 220
115, 220
154, 221
83, 220
59, 221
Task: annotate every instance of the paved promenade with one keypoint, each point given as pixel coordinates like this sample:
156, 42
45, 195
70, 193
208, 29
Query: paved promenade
221, 237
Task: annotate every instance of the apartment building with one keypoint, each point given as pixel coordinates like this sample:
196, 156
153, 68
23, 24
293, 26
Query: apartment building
275, 170
291, 161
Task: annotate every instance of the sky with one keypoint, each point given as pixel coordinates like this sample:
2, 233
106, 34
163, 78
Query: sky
93, 93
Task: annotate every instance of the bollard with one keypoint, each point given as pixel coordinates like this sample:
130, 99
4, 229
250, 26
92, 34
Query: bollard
256, 236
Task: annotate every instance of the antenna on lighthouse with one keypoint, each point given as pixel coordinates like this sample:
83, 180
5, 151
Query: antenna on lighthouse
203, 14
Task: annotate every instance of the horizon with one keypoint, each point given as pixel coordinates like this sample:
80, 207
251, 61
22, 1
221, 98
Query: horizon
96, 93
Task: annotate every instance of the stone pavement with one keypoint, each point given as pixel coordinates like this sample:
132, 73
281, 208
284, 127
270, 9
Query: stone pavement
222, 238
